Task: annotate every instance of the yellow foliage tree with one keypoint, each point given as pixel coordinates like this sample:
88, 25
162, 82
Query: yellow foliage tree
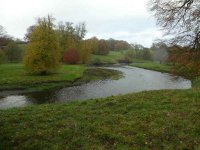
42, 54
85, 51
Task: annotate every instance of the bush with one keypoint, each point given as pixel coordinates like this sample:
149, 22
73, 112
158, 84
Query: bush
96, 62
71, 56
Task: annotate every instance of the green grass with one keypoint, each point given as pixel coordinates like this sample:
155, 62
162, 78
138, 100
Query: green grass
14, 76
196, 83
149, 120
153, 66
136, 60
111, 58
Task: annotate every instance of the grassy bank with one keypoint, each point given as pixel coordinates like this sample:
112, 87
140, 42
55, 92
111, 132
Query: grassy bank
148, 120
152, 66
14, 77
111, 58
196, 83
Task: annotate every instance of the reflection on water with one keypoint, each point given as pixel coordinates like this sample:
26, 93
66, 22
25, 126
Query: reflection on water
14, 101
135, 80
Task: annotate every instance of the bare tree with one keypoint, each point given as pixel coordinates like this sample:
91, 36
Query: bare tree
180, 19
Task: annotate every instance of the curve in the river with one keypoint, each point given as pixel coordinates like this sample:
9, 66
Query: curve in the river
134, 80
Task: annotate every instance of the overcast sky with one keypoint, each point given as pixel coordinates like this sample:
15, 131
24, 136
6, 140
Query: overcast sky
119, 19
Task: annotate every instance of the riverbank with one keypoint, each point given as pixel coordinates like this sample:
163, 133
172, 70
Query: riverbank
14, 77
112, 58
153, 120
165, 68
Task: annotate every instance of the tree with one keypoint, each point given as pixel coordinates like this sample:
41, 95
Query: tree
2, 56
186, 63
86, 51
43, 54
66, 34
94, 45
71, 36
4, 38
121, 45
103, 47
147, 54
80, 31
13, 52
180, 19
160, 51
129, 55
29, 32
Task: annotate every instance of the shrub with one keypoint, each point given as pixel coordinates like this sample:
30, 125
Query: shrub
96, 62
71, 56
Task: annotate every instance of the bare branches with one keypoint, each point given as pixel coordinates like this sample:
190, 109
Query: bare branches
179, 18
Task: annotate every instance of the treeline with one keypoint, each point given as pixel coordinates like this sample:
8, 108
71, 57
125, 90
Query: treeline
158, 52
70, 37
102, 47
183, 60
10, 51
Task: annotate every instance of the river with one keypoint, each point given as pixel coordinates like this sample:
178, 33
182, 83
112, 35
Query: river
134, 80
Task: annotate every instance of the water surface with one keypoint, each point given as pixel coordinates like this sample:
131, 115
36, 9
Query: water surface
134, 80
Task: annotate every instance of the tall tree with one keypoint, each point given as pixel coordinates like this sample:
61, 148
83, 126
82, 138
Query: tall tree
180, 19
94, 45
80, 31
86, 51
43, 54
